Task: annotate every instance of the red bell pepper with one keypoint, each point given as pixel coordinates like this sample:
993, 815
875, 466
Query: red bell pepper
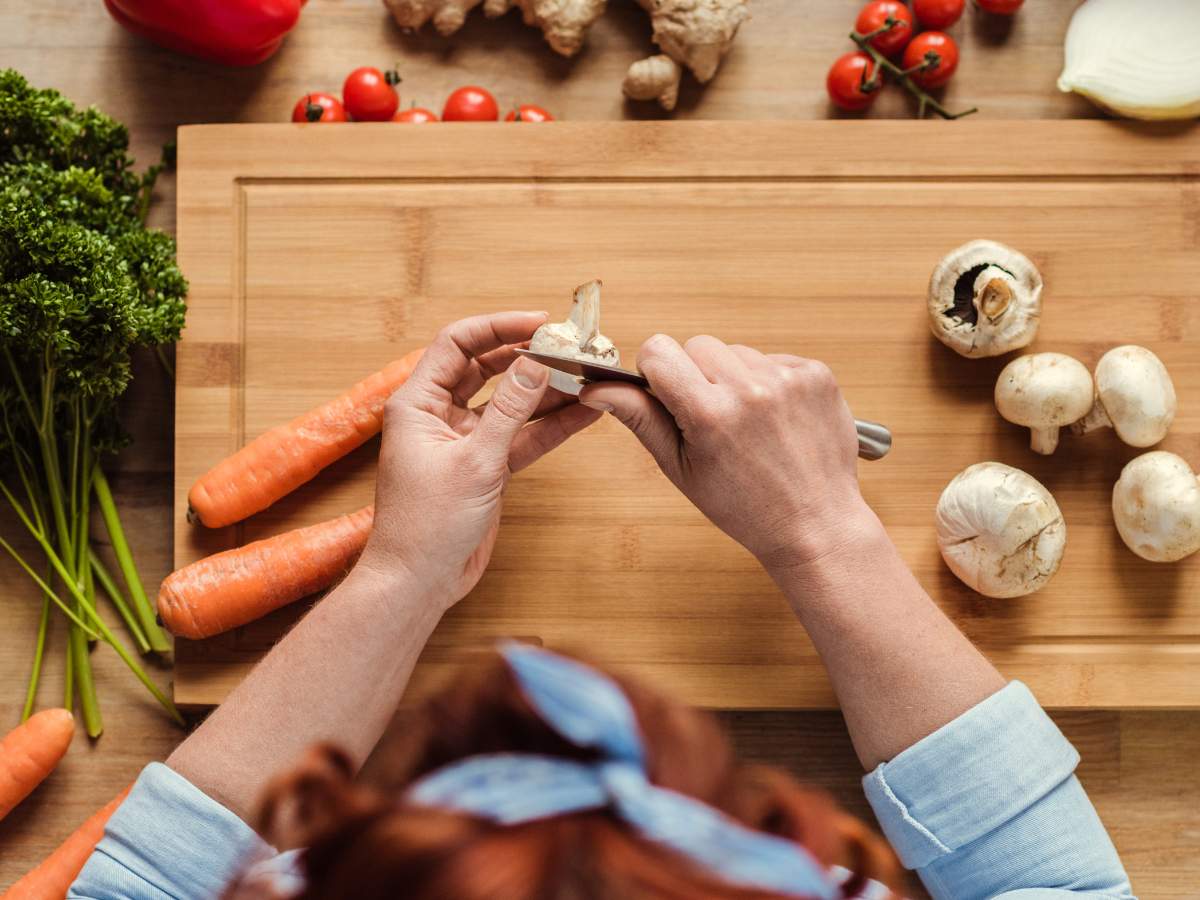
233, 32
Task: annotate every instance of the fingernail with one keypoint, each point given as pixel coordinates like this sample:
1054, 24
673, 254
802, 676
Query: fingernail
529, 374
597, 404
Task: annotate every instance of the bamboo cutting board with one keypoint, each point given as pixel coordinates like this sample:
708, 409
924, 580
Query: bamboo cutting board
317, 254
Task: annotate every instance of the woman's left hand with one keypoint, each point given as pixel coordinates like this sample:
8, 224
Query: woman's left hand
443, 466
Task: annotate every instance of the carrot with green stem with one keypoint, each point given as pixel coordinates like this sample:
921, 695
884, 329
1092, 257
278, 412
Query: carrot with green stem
53, 876
30, 752
280, 460
240, 585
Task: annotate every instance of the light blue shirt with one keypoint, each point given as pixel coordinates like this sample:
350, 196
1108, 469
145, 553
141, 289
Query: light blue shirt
987, 806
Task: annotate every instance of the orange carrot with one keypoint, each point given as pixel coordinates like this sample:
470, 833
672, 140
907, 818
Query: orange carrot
30, 752
280, 460
238, 586
51, 878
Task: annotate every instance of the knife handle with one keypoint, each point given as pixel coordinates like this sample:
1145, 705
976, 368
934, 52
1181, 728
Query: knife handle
874, 440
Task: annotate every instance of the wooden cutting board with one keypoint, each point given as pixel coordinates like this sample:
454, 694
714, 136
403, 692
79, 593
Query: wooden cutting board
316, 254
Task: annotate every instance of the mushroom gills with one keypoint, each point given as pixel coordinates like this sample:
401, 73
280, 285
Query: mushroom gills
994, 297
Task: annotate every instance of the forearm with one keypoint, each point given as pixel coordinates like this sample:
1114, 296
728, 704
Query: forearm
899, 667
337, 676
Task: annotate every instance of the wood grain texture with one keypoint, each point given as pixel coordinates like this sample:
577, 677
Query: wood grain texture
1138, 767
316, 255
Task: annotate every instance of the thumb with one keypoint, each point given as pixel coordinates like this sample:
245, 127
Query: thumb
515, 400
642, 414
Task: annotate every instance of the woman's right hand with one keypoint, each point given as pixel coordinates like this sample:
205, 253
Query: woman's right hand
764, 445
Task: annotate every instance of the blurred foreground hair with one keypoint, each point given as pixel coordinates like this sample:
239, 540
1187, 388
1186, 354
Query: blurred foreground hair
364, 842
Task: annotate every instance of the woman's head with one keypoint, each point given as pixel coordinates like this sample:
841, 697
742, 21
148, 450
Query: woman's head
405, 837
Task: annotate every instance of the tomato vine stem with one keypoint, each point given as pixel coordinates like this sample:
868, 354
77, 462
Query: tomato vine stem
882, 63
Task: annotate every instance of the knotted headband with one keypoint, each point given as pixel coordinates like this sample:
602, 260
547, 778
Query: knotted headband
591, 711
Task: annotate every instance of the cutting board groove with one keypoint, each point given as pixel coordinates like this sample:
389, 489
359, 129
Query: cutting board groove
318, 254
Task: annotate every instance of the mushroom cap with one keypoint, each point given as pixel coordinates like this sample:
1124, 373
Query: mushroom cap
1156, 507
1136, 393
999, 530
984, 299
1044, 390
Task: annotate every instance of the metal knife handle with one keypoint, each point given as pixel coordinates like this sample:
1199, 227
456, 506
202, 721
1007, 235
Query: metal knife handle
874, 440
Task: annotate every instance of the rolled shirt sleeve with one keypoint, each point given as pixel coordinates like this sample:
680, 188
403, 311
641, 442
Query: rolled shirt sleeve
989, 805
167, 841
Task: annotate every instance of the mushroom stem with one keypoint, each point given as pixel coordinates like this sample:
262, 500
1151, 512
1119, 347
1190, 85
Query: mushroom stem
994, 299
1043, 440
1097, 417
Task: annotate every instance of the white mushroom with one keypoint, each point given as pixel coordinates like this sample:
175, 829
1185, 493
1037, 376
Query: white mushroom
985, 299
1134, 396
999, 530
578, 338
1044, 392
1156, 506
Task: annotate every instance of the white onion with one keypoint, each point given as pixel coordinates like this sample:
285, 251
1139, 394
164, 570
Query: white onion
1138, 58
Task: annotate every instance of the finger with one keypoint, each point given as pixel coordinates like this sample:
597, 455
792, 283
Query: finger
713, 358
483, 369
539, 438
448, 359
787, 359
553, 400
645, 416
512, 405
753, 359
673, 375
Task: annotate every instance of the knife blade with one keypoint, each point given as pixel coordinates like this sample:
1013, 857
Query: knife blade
874, 440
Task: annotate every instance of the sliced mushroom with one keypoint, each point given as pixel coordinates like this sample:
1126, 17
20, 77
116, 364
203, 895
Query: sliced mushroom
1044, 392
999, 530
985, 299
578, 338
1134, 395
1156, 507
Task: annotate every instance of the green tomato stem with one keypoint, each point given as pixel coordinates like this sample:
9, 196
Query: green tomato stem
924, 100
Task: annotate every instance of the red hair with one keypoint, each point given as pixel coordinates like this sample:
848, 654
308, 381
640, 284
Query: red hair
363, 841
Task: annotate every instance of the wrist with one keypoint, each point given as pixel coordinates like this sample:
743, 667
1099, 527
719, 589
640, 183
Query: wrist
395, 594
852, 531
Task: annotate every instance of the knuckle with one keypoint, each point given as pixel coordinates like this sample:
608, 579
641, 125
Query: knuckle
507, 405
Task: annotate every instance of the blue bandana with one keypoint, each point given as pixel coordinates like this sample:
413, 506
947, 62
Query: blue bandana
591, 711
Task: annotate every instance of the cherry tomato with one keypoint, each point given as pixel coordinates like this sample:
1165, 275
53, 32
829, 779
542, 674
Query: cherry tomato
940, 14
846, 79
527, 112
369, 95
942, 46
470, 104
414, 114
318, 107
1000, 7
875, 15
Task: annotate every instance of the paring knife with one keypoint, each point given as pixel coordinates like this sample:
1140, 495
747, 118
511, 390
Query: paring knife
874, 440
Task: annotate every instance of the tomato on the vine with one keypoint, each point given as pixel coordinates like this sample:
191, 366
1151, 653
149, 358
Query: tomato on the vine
1000, 7
939, 14
853, 81
527, 112
369, 95
414, 114
939, 51
875, 15
318, 107
471, 104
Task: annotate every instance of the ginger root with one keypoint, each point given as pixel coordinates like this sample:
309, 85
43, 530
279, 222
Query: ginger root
695, 34
654, 78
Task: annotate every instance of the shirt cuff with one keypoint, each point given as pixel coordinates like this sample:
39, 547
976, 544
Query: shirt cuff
970, 776
168, 839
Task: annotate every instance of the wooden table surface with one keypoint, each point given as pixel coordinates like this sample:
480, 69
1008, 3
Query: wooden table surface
1139, 767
